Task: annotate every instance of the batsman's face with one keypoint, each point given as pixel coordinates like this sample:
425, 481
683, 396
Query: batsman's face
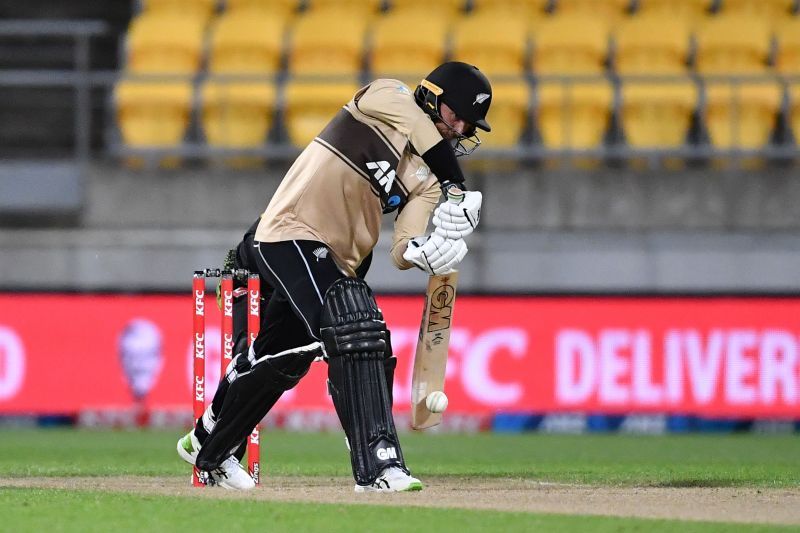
453, 127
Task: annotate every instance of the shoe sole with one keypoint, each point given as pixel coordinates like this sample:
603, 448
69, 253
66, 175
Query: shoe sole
413, 487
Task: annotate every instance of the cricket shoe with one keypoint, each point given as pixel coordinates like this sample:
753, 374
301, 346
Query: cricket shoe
392, 479
189, 447
231, 475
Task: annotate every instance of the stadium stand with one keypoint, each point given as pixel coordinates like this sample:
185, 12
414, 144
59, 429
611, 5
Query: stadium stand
363, 7
733, 44
569, 44
397, 52
742, 116
787, 56
496, 42
153, 114
509, 113
246, 42
610, 11
573, 116
524, 9
689, 11
769, 9
165, 43
652, 44
309, 106
284, 8
319, 47
237, 115
657, 115
199, 8
446, 8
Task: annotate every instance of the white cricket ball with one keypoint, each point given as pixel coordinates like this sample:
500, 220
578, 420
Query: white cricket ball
436, 402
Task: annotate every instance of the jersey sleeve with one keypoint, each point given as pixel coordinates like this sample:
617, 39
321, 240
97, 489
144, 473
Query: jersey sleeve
392, 102
413, 221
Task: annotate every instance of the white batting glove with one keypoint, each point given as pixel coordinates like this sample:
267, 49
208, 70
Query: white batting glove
435, 254
456, 221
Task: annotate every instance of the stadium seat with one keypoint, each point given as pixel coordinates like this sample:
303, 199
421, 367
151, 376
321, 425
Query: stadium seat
244, 42
237, 115
365, 7
508, 113
734, 44
573, 116
310, 106
165, 44
657, 115
741, 116
769, 9
153, 114
524, 9
651, 44
320, 46
200, 8
282, 8
442, 7
569, 45
398, 52
689, 11
607, 11
494, 42
787, 57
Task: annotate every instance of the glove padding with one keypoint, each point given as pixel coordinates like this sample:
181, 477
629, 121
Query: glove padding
435, 254
456, 221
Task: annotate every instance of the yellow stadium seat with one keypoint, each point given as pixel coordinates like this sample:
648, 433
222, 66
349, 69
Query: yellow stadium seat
573, 116
733, 44
282, 8
770, 9
364, 6
440, 7
495, 42
152, 114
657, 114
246, 42
201, 8
689, 11
652, 45
166, 44
569, 45
525, 9
310, 106
741, 116
787, 58
402, 53
238, 114
508, 113
609, 11
327, 42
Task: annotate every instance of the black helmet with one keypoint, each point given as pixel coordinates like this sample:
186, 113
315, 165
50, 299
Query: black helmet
463, 88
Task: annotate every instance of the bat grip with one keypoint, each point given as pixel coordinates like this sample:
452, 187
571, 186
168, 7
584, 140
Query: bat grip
455, 195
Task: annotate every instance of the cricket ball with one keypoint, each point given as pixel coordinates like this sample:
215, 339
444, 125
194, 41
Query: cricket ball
436, 402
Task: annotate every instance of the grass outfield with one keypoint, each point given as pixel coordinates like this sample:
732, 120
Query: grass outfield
602, 460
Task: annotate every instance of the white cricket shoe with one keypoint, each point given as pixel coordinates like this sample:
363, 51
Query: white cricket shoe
231, 475
189, 447
392, 479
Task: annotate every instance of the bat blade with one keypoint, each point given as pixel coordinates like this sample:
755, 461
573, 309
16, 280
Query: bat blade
430, 358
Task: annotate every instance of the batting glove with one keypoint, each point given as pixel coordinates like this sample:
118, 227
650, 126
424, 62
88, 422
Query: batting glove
435, 254
456, 221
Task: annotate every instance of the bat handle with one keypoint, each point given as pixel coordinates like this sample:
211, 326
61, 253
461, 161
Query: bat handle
455, 195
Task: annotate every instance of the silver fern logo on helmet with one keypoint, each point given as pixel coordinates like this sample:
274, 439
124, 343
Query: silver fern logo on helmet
320, 253
481, 98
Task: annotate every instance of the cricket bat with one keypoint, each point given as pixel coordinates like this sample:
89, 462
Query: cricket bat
430, 359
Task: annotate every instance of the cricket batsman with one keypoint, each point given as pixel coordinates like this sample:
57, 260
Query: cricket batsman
388, 150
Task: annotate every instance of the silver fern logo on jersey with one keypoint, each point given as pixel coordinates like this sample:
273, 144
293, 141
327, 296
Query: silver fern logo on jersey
481, 98
320, 253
